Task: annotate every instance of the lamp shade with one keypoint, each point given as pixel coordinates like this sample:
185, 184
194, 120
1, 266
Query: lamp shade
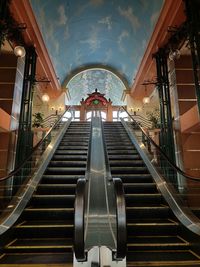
45, 98
19, 51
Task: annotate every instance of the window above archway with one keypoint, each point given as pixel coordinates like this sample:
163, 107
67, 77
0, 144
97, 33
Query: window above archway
85, 82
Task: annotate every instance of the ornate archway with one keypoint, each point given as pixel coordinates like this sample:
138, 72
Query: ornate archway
96, 102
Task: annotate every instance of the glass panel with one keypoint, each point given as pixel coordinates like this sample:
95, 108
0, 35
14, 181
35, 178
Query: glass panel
186, 186
13, 186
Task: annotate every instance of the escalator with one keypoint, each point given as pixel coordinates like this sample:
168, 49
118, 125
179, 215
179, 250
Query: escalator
43, 234
154, 235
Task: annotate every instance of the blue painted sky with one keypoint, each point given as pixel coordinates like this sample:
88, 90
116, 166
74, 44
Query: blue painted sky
84, 32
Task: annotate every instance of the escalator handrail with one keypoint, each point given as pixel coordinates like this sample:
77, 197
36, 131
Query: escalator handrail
79, 220
17, 169
175, 167
121, 219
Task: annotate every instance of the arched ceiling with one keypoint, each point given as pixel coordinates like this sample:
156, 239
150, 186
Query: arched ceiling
112, 33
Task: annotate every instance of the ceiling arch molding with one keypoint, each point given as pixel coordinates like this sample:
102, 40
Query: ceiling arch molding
105, 79
93, 67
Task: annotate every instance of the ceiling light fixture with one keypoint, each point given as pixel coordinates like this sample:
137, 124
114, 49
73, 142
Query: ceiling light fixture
19, 51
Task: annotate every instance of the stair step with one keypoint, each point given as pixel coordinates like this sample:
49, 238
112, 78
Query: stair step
40, 245
123, 152
134, 177
71, 148
48, 213
62, 179
129, 170
34, 258
168, 239
71, 152
63, 170
151, 227
149, 211
142, 188
160, 255
70, 157
156, 242
122, 157
52, 201
55, 189
126, 163
143, 199
44, 229
74, 142
63, 163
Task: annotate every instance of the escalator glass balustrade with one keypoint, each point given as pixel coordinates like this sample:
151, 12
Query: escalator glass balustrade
155, 236
43, 234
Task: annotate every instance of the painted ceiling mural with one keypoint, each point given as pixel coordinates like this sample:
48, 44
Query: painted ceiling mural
80, 33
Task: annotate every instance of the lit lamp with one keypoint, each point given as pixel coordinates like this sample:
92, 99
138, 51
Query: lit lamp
19, 51
45, 98
146, 100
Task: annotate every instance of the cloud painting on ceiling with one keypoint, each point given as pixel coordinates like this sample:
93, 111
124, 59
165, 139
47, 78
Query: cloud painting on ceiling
87, 81
112, 33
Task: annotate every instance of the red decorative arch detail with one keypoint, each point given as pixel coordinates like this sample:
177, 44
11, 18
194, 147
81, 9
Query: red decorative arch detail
96, 96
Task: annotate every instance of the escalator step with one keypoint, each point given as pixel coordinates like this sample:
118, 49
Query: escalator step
143, 199
69, 157
52, 201
160, 255
40, 245
70, 152
56, 163
35, 258
129, 170
149, 211
60, 178
55, 189
63, 170
48, 213
124, 157
142, 188
126, 163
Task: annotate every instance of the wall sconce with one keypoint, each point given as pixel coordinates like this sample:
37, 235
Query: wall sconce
146, 99
19, 51
45, 98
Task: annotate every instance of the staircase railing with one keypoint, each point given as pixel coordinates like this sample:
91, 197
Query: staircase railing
17, 187
180, 189
50, 120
